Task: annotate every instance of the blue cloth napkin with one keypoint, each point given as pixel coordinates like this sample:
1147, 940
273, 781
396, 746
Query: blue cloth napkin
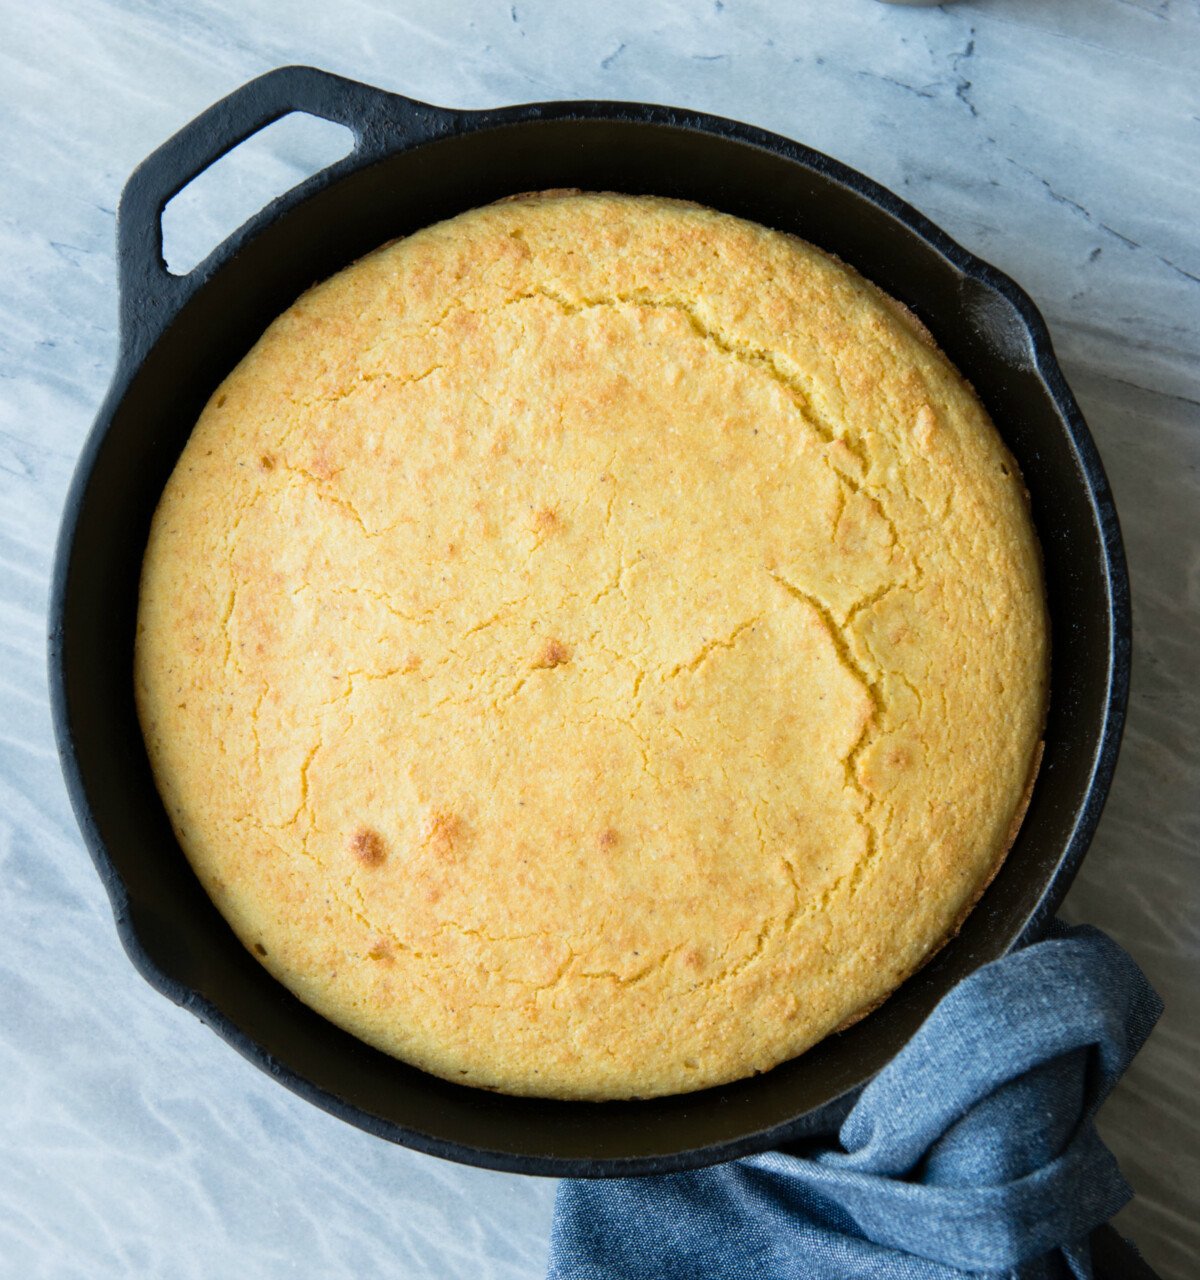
973, 1152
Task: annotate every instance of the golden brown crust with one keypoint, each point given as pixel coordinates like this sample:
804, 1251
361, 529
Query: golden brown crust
593, 647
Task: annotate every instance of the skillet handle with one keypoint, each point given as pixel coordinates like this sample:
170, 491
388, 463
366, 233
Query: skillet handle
150, 295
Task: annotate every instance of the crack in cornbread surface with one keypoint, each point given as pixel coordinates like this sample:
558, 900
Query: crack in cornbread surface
594, 647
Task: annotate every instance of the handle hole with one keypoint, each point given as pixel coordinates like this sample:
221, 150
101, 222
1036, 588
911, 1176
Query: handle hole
242, 181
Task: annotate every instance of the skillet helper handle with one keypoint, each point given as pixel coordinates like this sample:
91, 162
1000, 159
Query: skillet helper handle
151, 295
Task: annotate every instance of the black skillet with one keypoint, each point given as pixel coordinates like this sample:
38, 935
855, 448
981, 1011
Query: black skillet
413, 164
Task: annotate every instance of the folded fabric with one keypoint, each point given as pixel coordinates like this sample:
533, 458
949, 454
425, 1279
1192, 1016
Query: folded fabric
973, 1152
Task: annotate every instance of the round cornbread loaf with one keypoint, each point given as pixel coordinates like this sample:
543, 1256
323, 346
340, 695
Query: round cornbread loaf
594, 647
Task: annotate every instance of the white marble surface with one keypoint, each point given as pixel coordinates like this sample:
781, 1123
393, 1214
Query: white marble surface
1058, 138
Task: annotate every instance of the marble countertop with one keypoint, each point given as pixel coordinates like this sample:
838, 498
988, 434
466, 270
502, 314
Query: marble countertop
1059, 139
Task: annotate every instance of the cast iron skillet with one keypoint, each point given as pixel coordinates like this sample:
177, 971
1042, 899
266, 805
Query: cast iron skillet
413, 164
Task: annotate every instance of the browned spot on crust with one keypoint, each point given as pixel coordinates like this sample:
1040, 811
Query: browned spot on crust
322, 468
552, 654
694, 959
368, 847
906, 317
549, 193
442, 831
381, 952
412, 662
843, 459
267, 462
1019, 817
260, 949
607, 839
545, 521
926, 426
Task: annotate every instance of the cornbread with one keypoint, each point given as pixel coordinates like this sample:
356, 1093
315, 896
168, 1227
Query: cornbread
594, 647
